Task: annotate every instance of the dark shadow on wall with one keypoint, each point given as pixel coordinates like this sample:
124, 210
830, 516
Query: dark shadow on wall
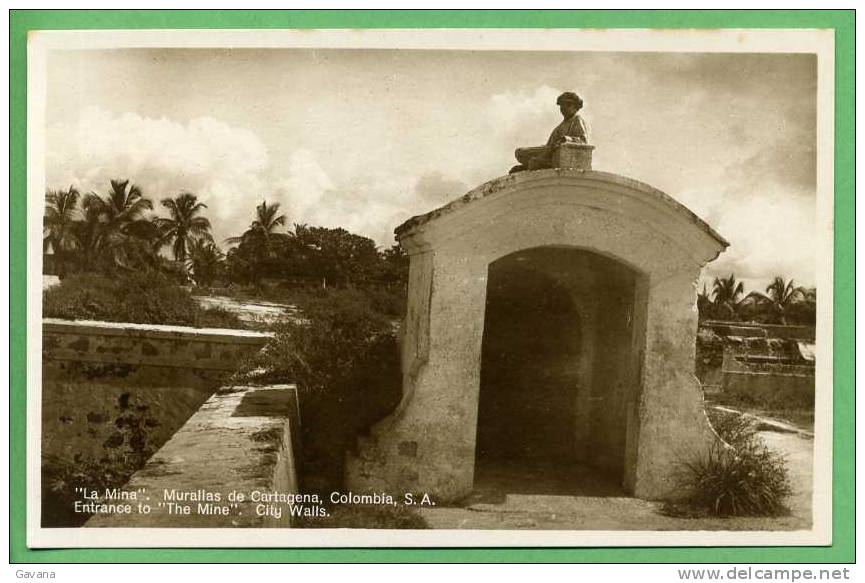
558, 374
528, 383
101, 423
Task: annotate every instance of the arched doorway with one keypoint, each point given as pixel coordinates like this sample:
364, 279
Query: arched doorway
558, 374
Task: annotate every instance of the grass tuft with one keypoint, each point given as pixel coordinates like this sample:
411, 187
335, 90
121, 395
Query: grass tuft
741, 477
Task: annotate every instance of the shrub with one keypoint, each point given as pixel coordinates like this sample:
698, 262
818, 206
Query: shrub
343, 356
390, 301
741, 477
736, 430
137, 297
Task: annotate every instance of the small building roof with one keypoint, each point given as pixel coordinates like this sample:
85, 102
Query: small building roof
525, 178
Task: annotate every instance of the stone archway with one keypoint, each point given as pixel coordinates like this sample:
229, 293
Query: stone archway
558, 374
429, 443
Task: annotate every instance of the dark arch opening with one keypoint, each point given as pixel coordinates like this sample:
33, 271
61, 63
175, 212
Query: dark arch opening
559, 373
530, 337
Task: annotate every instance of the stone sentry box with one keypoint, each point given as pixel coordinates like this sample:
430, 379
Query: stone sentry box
615, 263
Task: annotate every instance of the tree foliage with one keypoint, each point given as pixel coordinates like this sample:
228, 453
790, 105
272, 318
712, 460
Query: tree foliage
331, 257
344, 358
205, 261
254, 253
184, 225
115, 232
58, 227
779, 300
108, 232
727, 292
782, 303
334, 256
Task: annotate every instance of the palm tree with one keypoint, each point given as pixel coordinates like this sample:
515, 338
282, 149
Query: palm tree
123, 205
704, 304
727, 295
257, 245
58, 225
183, 227
267, 218
205, 259
779, 297
120, 233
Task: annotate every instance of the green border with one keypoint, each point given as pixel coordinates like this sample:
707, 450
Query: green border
843, 23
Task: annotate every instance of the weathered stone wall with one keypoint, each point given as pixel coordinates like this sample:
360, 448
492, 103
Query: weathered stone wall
732, 355
768, 384
80, 406
148, 344
100, 422
428, 444
112, 394
756, 330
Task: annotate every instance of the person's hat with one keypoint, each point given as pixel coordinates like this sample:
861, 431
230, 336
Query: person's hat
570, 96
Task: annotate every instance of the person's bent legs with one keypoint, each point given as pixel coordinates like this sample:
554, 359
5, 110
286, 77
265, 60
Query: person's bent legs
533, 158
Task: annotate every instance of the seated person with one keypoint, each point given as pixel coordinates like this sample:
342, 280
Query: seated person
572, 129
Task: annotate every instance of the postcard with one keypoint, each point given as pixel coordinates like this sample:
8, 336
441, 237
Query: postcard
430, 288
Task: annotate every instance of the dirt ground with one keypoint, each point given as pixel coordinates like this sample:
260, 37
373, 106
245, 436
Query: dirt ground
580, 499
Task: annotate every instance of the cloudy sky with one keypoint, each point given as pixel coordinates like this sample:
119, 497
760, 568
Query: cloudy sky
365, 139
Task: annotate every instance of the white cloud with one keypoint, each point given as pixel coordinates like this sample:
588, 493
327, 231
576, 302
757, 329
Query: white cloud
304, 186
705, 201
517, 112
436, 189
771, 234
221, 164
230, 170
370, 205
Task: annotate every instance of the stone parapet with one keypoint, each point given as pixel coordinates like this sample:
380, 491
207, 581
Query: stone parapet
242, 440
756, 330
148, 344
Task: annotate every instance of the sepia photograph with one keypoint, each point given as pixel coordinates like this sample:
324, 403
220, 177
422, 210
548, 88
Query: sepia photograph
430, 288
